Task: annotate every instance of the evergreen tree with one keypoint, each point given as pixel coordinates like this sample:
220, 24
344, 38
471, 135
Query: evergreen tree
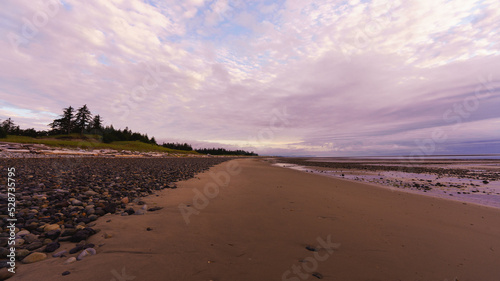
82, 119
96, 123
65, 124
8, 126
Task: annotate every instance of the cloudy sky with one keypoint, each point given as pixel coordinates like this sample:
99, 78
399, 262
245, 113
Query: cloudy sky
289, 77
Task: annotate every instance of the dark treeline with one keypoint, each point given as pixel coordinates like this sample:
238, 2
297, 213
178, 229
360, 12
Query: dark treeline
81, 121
178, 146
8, 127
223, 151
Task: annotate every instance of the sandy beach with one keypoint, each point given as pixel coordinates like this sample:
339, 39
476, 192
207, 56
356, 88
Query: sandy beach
273, 223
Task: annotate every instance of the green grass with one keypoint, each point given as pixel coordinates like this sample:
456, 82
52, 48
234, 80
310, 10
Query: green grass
92, 142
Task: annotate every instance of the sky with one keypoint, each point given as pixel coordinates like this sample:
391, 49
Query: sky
289, 77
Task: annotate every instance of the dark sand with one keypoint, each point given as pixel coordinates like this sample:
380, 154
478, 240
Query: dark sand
258, 227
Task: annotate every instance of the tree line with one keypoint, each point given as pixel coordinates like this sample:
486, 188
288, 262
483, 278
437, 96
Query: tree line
223, 151
81, 121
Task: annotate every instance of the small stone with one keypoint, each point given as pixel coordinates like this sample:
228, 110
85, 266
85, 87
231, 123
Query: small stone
30, 238
19, 241
5, 274
76, 202
22, 233
51, 247
70, 260
60, 254
34, 257
130, 211
53, 234
76, 249
125, 200
82, 234
310, 248
22, 253
140, 212
34, 245
108, 235
68, 232
65, 273
86, 252
149, 229
90, 193
156, 208
50, 227
317, 275
4, 252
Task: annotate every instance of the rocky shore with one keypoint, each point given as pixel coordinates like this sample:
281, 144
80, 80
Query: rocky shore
31, 150
58, 199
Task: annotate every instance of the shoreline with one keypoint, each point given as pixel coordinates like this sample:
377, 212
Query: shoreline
268, 223
403, 181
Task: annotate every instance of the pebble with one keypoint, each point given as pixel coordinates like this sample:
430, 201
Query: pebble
5, 274
130, 211
4, 252
317, 275
22, 253
82, 234
22, 233
70, 260
50, 227
310, 248
86, 252
140, 212
34, 245
34, 257
60, 254
30, 238
51, 247
76, 249
19, 241
66, 273
53, 234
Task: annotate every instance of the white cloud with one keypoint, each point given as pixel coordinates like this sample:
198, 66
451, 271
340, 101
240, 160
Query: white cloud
354, 71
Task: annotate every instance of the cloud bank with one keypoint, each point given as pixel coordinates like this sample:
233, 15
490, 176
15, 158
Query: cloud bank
325, 78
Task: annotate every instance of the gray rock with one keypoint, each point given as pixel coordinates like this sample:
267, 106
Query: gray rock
60, 254
34, 245
30, 238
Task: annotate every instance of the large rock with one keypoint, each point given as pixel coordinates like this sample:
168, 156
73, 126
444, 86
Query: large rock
82, 234
30, 238
51, 247
110, 208
5, 274
22, 233
51, 227
35, 245
22, 253
53, 234
34, 257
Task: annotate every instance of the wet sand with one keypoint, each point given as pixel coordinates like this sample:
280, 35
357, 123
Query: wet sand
259, 225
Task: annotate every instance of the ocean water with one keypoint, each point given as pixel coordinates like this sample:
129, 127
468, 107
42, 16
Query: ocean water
409, 158
453, 187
